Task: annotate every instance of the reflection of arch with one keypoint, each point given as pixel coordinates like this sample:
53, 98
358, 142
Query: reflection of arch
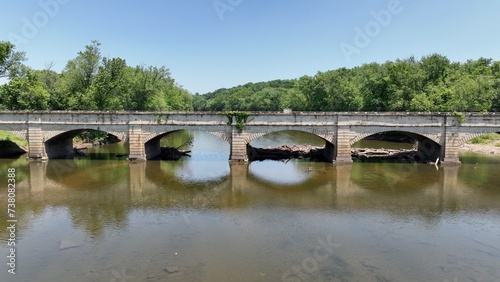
474, 135
328, 137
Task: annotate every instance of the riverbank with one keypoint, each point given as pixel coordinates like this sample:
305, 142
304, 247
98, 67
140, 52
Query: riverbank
490, 148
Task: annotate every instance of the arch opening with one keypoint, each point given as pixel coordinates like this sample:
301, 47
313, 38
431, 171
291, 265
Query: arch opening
176, 144
290, 144
396, 146
82, 143
477, 146
11, 145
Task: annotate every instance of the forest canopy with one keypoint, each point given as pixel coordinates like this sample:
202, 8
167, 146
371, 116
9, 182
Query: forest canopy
93, 82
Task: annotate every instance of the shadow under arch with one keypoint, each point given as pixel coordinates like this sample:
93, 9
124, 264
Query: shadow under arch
287, 136
10, 143
60, 146
427, 147
152, 143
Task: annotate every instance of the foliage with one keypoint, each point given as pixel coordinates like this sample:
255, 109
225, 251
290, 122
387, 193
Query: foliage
432, 83
25, 93
239, 117
485, 138
6, 136
91, 81
460, 117
11, 61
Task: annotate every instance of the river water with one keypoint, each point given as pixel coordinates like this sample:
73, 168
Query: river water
204, 219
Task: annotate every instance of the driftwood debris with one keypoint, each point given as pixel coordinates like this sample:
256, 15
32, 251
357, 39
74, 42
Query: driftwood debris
404, 155
286, 152
173, 154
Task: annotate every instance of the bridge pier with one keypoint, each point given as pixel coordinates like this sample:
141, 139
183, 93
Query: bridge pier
451, 144
343, 146
136, 150
59, 149
329, 153
35, 144
238, 146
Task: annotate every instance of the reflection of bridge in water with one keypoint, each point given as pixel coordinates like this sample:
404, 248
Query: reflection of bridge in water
133, 186
326, 187
439, 135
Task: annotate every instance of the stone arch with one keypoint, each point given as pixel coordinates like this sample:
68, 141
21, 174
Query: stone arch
428, 145
470, 136
50, 135
160, 134
434, 137
151, 140
19, 133
327, 136
59, 143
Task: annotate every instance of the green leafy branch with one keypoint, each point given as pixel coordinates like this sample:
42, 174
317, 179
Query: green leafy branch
241, 118
460, 117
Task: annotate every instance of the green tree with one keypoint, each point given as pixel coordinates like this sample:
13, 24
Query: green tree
78, 75
11, 61
25, 93
110, 87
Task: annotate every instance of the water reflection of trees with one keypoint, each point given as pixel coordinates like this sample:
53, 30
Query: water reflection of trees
394, 178
99, 195
92, 191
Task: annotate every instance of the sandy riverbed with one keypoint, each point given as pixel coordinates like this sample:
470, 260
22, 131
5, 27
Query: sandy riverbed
491, 148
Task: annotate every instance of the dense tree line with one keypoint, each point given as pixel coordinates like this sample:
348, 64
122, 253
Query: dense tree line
432, 83
93, 82
88, 82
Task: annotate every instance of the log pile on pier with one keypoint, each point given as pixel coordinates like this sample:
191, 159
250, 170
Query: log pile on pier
401, 155
287, 152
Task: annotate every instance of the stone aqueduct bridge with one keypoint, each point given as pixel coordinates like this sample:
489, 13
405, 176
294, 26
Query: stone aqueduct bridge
439, 135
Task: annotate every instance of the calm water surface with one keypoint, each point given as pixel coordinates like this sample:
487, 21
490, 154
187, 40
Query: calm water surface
202, 219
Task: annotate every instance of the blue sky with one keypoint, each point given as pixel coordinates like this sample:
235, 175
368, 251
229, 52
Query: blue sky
211, 44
